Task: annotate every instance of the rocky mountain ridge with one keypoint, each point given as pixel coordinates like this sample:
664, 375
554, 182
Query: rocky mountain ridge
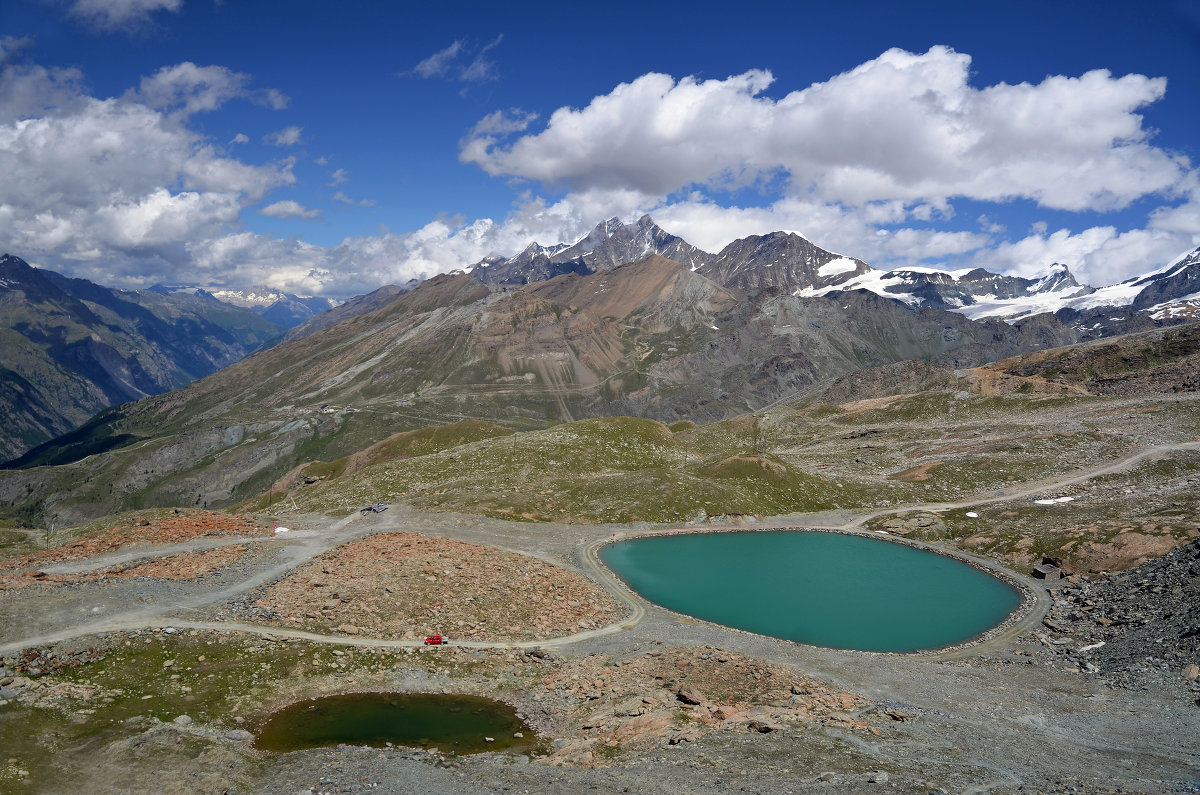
1168, 293
647, 339
786, 262
72, 348
778, 262
358, 305
281, 308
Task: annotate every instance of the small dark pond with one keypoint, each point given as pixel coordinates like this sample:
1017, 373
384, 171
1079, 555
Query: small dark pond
824, 589
450, 723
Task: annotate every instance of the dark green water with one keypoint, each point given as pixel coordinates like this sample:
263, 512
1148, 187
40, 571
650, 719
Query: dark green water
824, 589
450, 723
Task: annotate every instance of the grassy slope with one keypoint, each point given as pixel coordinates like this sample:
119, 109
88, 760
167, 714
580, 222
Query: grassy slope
931, 446
606, 470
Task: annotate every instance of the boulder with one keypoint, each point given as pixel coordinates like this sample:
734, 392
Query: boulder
763, 727
686, 736
690, 695
644, 728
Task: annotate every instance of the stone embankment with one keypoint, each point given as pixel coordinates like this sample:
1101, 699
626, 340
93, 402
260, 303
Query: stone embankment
20, 674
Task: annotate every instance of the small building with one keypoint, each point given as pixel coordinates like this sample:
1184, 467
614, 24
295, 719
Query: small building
1047, 571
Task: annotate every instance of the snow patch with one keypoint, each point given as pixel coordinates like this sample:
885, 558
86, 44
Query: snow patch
1174, 304
836, 266
874, 281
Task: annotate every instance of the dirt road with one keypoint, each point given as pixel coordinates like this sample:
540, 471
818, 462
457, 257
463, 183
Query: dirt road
314, 535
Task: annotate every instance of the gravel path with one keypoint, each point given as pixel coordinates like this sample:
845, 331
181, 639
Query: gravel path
314, 535
1007, 714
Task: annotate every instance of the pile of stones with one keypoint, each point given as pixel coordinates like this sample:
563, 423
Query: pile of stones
1137, 628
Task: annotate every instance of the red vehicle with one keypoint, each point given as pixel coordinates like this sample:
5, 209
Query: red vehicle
435, 640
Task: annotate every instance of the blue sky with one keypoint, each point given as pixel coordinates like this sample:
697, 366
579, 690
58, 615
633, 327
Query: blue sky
330, 148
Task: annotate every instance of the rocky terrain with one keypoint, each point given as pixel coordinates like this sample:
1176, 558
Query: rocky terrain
142, 651
216, 623
404, 585
649, 338
628, 321
1135, 626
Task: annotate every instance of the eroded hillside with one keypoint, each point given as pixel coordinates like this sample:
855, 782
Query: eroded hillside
648, 339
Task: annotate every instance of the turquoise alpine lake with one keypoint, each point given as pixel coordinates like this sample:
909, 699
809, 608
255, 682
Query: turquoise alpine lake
823, 589
451, 723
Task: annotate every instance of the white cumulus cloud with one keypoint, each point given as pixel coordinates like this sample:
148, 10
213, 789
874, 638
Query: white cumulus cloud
903, 126
868, 164
115, 181
288, 136
1098, 255
289, 209
110, 15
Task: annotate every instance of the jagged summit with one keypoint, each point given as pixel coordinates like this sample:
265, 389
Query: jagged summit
16, 274
779, 262
1057, 276
608, 244
788, 263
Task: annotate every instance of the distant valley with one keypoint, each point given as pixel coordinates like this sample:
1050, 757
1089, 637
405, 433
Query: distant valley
71, 348
630, 321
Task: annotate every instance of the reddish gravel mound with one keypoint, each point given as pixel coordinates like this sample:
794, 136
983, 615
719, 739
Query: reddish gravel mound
140, 532
403, 585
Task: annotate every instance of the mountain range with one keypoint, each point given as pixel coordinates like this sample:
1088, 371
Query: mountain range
786, 262
281, 308
609, 326
71, 348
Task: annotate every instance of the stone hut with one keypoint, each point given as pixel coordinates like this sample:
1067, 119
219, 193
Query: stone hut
1047, 571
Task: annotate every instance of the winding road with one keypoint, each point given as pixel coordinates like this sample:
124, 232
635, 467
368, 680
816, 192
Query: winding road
302, 545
